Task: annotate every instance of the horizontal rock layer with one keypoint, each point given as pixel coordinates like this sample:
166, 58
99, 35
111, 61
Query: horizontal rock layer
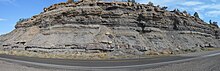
114, 27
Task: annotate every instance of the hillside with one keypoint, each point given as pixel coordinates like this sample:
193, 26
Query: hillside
113, 28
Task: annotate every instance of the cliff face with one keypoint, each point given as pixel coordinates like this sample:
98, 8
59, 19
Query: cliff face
115, 28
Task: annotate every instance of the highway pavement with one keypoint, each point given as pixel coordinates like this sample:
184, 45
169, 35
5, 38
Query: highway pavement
187, 62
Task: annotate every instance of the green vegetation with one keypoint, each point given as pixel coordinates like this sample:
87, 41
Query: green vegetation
196, 15
213, 23
23, 20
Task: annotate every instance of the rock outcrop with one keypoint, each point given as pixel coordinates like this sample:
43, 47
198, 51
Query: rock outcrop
117, 28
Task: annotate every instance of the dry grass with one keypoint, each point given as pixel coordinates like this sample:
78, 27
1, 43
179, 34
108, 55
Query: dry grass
210, 49
89, 56
86, 56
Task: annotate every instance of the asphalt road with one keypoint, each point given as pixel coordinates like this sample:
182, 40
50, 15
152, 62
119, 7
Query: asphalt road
96, 63
205, 64
208, 62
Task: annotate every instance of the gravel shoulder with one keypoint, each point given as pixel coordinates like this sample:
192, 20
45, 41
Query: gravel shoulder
7, 66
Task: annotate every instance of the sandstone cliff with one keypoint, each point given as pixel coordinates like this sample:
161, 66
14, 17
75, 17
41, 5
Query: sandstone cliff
116, 28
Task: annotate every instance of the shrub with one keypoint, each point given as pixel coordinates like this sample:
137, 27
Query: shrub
164, 8
23, 20
196, 14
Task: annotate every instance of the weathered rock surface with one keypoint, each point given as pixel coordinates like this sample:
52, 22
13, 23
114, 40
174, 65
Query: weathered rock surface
118, 28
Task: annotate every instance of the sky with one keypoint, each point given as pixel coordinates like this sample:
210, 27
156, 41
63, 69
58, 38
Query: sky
13, 10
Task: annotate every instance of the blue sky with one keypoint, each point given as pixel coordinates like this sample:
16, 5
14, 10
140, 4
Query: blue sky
13, 10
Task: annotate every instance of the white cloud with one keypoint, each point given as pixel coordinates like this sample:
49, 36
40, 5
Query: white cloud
9, 2
213, 0
215, 6
1, 19
210, 6
215, 13
192, 3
